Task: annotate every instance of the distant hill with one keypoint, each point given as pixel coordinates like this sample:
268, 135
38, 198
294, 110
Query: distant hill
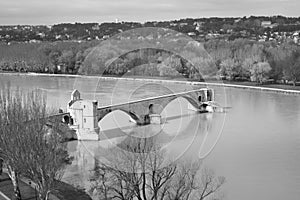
197, 28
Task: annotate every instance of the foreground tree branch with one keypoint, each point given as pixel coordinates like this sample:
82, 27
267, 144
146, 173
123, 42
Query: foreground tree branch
138, 169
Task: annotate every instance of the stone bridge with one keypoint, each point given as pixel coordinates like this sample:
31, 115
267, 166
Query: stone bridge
84, 115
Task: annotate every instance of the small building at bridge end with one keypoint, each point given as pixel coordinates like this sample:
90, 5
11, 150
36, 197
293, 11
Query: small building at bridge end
83, 115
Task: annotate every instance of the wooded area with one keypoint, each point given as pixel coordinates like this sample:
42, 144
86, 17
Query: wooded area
241, 59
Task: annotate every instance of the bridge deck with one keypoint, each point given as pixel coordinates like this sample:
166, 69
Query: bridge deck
149, 98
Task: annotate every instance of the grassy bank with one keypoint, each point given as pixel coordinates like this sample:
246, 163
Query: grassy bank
275, 85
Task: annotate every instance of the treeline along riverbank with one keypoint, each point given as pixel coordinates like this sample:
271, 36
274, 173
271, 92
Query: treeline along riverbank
238, 60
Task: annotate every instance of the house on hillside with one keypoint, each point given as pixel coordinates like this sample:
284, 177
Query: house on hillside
268, 24
34, 41
296, 34
191, 33
295, 37
183, 24
237, 20
198, 26
41, 34
96, 27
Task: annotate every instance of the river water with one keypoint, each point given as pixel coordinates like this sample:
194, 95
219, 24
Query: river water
255, 144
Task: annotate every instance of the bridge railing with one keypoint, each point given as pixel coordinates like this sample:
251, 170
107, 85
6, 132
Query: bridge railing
152, 98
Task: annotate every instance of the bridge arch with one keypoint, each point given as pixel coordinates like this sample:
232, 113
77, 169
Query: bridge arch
110, 111
165, 103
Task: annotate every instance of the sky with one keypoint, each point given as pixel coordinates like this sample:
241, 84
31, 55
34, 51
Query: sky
49, 12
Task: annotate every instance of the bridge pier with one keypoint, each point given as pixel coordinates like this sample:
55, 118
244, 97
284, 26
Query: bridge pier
155, 119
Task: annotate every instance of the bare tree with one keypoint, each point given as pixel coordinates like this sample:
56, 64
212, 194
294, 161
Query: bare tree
209, 185
12, 113
138, 169
44, 156
30, 143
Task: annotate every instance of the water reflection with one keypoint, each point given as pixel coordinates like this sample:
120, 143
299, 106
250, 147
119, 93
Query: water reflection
194, 135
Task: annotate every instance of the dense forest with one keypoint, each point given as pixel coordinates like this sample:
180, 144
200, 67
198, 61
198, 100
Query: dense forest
240, 59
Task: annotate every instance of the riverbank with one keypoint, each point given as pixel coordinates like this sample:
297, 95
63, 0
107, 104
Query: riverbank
7, 191
66, 191
287, 89
269, 85
62, 191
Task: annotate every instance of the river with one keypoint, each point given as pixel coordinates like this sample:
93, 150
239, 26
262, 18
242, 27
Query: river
255, 144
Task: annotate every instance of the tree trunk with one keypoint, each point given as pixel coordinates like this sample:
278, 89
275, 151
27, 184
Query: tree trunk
43, 192
144, 185
1, 166
43, 195
15, 182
